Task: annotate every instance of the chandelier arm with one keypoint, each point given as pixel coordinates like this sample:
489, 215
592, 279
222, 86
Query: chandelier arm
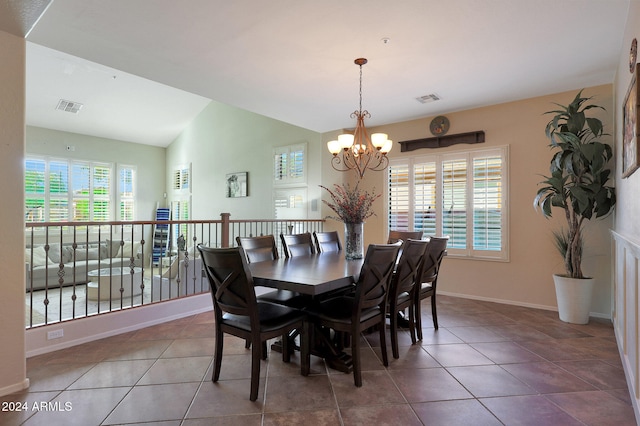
346, 161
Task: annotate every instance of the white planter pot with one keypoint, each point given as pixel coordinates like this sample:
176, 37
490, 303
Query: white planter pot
574, 298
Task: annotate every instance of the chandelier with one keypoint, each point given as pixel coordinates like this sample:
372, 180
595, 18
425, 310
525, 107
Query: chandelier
358, 151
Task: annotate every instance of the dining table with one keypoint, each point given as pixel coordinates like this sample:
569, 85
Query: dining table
315, 276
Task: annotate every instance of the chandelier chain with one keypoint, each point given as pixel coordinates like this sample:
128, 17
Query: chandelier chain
361, 89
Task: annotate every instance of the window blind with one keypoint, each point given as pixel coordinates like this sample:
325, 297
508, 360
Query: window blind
461, 195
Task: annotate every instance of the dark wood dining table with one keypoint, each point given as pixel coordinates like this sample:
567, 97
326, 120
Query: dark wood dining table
315, 276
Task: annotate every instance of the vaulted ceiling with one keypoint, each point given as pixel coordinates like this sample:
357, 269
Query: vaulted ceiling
143, 69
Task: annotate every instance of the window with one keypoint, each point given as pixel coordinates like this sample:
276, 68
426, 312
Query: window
289, 164
461, 195
290, 178
181, 202
64, 190
126, 192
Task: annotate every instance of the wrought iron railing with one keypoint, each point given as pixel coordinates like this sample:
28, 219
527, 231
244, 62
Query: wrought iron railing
78, 269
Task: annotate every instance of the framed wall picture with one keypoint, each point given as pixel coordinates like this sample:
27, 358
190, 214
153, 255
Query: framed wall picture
236, 185
630, 153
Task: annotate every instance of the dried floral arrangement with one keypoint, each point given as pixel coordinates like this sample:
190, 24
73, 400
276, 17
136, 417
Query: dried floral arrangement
352, 205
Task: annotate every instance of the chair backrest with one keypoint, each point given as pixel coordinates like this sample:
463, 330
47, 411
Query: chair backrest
373, 283
258, 249
230, 280
395, 236
408, 267
327, 241
432, 258
297, 244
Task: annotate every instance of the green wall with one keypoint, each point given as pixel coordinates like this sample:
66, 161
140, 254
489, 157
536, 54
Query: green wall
149, 160
224, 139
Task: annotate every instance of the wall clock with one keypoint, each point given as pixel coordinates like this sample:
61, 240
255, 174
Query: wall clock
633, 55
439, 126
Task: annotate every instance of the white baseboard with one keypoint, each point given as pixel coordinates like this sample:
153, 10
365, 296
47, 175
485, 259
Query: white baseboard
17, 387
97, 327
511, 302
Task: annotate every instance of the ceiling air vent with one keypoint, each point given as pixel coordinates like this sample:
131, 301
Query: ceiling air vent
68, 106
428, 98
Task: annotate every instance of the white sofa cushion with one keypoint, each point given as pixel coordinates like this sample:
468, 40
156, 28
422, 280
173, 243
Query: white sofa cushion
39, 256
129, 249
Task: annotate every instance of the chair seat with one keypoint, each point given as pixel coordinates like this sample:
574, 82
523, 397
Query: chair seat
285, 297
404, 298
426, 287
271, 315
340, 309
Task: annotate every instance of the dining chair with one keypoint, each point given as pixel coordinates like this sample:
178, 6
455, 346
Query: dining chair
428, 280
402, 289
297, 244
364, 308
258, 249
238, 312
327, 241
262, 248
395, 236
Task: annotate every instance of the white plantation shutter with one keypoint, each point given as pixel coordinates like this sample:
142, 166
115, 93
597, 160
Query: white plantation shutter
81, 185
289, 164
181, 203
454, 202
35, 190
182, 179
487, 203
425, 198
126, 192
59, 190
279, 165
101, 208
461, 195
296, 163
181, 210
398, 197
289, 182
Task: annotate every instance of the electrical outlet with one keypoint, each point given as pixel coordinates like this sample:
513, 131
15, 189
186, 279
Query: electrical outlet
55, 334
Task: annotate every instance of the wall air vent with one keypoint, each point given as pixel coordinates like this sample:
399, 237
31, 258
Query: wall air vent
428, 98
68, 106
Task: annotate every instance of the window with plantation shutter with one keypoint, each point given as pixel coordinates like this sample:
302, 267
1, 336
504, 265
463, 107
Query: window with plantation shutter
289, 164
289, 182
181, 204
181, 210
461, 195
182, 179
59, 190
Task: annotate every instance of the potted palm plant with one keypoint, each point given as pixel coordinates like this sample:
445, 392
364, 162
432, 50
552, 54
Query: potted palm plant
578, 187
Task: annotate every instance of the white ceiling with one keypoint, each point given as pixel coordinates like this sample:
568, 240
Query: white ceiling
292, 60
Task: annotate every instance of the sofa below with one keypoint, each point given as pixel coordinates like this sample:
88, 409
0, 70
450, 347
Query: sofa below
62, 265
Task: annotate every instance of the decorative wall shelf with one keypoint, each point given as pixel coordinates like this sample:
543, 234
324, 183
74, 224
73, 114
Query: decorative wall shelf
442, 141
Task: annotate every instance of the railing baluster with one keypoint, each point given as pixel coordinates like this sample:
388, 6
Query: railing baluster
102, 249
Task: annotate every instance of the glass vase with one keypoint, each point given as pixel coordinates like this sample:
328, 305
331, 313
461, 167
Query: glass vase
354, 240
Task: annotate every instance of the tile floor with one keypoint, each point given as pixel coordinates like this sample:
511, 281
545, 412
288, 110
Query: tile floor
488, 364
